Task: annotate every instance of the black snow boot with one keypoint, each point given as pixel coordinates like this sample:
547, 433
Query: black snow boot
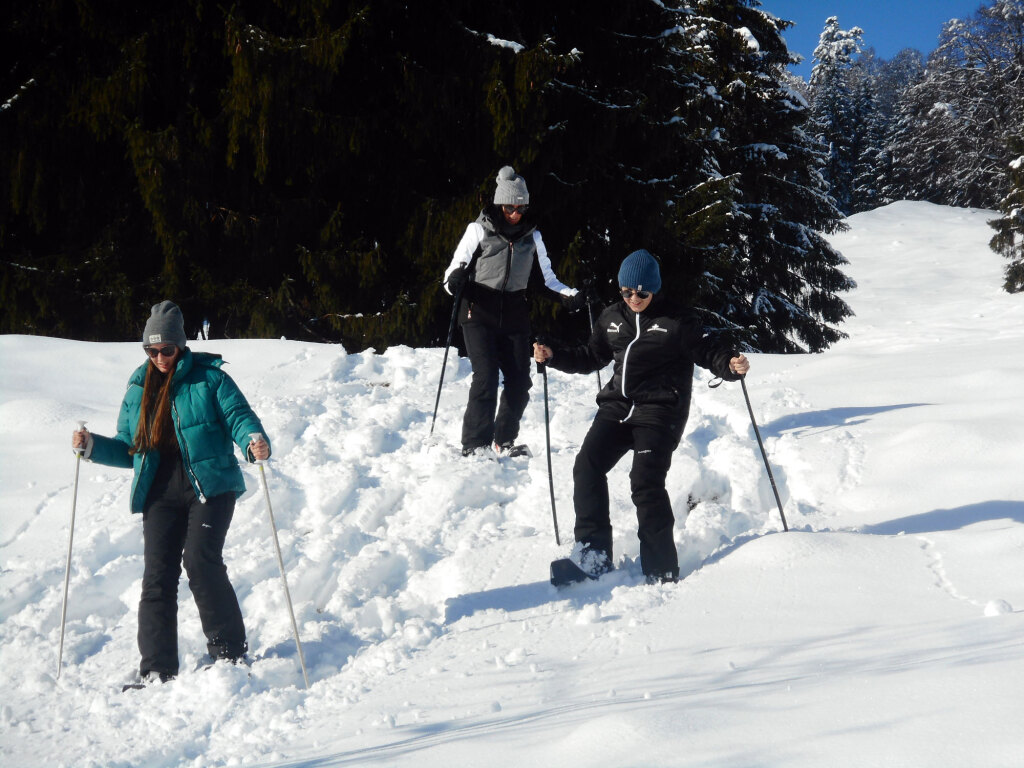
219, 650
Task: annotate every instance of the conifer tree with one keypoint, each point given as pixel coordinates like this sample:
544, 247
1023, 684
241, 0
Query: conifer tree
773, 274
894, 78
307, 169
1009, 238
835, 122
276, 167
694, 148
951, 144
864, 192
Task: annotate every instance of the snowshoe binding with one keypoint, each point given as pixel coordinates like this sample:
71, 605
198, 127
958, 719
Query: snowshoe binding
510, 450
147, 679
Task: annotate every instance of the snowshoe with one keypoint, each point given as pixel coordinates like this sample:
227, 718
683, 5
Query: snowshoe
565, 572
149, 678
510, 450
208, 662
668, 577
584, 563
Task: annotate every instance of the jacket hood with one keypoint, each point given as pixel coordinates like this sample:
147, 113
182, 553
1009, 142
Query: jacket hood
189, 359
493, 220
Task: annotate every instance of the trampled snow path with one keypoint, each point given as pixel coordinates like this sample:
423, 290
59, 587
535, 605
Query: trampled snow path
883, 629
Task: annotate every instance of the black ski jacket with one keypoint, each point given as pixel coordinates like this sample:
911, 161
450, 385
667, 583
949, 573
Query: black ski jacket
654, 353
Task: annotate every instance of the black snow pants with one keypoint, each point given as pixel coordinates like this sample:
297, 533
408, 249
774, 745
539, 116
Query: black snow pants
608, 441
179, 529
492, 351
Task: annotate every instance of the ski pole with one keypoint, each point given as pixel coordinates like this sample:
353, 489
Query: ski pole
590, 315
71, 538
542, 367
255, 437
757, 433
447, 344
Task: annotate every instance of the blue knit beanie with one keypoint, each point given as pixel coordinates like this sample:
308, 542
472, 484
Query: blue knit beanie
640, 272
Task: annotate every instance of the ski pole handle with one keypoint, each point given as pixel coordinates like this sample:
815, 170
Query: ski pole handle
255, 437
80, 449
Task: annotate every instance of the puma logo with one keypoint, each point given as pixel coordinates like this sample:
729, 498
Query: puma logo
614, 327
658, 328
207, 525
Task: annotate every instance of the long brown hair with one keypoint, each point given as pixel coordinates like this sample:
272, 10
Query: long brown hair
155, 430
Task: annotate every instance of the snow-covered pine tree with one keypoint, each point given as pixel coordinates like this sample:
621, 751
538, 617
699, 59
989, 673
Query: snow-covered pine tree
772, 273
618, 142
1009, 238
832, 107
677, 134
868, 134
951, 144
894, 77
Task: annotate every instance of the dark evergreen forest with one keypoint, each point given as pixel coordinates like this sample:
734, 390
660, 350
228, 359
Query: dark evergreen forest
306, 169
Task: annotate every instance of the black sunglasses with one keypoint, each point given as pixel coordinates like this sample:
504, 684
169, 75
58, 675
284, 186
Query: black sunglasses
627, 293
166, 351
515, 208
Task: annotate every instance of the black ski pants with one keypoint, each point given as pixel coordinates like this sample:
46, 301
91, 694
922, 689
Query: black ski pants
492, 351
179, 529
608, 441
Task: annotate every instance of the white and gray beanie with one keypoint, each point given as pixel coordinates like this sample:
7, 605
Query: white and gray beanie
511, 189
165, 326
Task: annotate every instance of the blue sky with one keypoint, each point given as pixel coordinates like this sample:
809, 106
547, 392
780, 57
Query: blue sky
889, 25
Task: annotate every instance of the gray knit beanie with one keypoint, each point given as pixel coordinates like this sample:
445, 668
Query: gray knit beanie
511, 189
165, 326
640, 272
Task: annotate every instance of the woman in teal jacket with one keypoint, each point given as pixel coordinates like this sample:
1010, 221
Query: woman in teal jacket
176, 427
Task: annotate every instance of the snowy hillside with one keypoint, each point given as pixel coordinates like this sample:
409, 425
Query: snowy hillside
885, 628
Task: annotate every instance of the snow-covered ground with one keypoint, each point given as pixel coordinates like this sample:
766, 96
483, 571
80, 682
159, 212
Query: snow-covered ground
886, 628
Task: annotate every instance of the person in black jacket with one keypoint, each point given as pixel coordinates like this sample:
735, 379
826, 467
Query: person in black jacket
642, 408
491, 270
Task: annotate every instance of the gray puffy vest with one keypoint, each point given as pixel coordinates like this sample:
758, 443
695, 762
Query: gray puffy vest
504, 265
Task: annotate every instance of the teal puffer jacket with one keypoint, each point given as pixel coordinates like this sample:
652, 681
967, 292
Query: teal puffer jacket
208, 411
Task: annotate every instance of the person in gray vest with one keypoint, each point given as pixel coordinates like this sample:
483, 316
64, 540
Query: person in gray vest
492, 266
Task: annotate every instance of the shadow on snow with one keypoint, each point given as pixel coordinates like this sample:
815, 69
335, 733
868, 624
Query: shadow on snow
949, 519
829, 418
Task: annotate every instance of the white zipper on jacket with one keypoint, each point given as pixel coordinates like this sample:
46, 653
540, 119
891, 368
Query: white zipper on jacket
625, 361
187, 459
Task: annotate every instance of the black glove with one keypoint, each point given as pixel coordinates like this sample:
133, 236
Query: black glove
583, 297
457, 280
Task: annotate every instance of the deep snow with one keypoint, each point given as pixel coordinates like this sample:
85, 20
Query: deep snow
885, 628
